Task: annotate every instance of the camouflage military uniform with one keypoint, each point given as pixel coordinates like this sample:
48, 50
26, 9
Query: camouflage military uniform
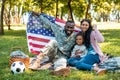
61, 46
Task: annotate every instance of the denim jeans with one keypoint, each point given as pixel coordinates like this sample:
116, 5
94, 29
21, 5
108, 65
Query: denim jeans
86, 63
72, 61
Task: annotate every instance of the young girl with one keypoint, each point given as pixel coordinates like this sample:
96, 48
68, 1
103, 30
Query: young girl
78, 51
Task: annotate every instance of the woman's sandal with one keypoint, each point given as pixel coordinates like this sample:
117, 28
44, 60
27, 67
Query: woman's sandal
101, 72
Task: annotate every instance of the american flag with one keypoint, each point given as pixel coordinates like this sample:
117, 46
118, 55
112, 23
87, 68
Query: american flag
37, 35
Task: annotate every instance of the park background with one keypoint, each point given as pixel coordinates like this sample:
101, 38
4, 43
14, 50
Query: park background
13, 19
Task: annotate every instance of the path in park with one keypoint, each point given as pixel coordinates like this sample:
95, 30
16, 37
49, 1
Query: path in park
108, 25
103, 25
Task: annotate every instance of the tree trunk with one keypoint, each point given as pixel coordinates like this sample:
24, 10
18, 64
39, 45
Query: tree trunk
88, 7
41, 8
1, 18
56, 9
9, 16
70, 16
61, 16
6, 16
118, 18
20, 13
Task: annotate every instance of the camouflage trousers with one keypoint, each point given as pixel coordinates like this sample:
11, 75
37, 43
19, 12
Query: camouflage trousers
51, 50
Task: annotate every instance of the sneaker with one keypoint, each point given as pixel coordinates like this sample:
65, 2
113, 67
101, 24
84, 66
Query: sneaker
101, 72
74, 68
35, 65
62, 72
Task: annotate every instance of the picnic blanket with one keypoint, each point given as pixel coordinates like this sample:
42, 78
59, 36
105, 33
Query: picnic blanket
111, 64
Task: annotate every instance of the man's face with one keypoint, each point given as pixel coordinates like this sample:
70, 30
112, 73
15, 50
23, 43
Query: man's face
69, 28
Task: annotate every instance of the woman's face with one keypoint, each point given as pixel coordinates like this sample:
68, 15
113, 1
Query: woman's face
84, 26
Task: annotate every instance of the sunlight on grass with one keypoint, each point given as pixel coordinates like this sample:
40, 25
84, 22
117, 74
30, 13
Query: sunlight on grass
17, 27
28, 71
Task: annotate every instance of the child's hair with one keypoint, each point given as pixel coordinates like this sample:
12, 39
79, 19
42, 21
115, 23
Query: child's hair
80, 34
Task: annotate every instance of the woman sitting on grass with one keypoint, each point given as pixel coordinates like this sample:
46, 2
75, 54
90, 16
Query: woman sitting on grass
94, 54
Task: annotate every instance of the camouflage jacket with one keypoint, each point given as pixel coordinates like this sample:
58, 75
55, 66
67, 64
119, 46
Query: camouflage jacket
65, 43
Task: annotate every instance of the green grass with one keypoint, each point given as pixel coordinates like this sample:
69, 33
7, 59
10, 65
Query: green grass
15, 38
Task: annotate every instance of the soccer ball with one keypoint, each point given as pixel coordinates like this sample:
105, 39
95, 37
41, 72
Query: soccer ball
17, 67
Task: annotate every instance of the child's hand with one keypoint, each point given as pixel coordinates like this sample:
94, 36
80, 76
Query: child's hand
77, 52
77, 56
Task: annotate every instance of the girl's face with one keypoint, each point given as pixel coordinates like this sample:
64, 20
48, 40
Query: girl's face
84, 26
79, 40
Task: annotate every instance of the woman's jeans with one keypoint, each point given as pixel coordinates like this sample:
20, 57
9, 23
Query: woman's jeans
72, 61
86, 63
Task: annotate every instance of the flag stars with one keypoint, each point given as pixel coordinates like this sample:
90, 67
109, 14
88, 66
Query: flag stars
40, 25
30, 19
35, 26
33, 31
28, 31
33, 17
43, 28
50, 35
38, 32
31, 28
36, 29
41, 31
28, 26
30, 23
47, 32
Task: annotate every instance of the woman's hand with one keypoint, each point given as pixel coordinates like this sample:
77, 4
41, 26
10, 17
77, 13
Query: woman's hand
94, 27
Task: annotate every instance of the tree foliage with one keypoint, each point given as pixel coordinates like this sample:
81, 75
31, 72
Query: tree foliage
75, 9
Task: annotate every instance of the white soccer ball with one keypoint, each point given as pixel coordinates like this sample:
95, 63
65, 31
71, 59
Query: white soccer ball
17, 67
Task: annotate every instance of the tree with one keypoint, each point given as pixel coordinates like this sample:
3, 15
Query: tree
56, 9
117, 9
1, 18
70, 16
6, 15
88, 7
102, 8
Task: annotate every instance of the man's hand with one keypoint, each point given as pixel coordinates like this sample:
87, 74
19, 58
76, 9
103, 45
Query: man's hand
35, 13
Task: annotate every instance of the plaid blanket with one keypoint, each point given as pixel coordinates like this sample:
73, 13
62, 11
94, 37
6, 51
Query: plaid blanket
18, 54
111, 64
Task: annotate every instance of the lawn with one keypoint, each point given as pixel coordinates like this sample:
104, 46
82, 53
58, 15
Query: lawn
15, 38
